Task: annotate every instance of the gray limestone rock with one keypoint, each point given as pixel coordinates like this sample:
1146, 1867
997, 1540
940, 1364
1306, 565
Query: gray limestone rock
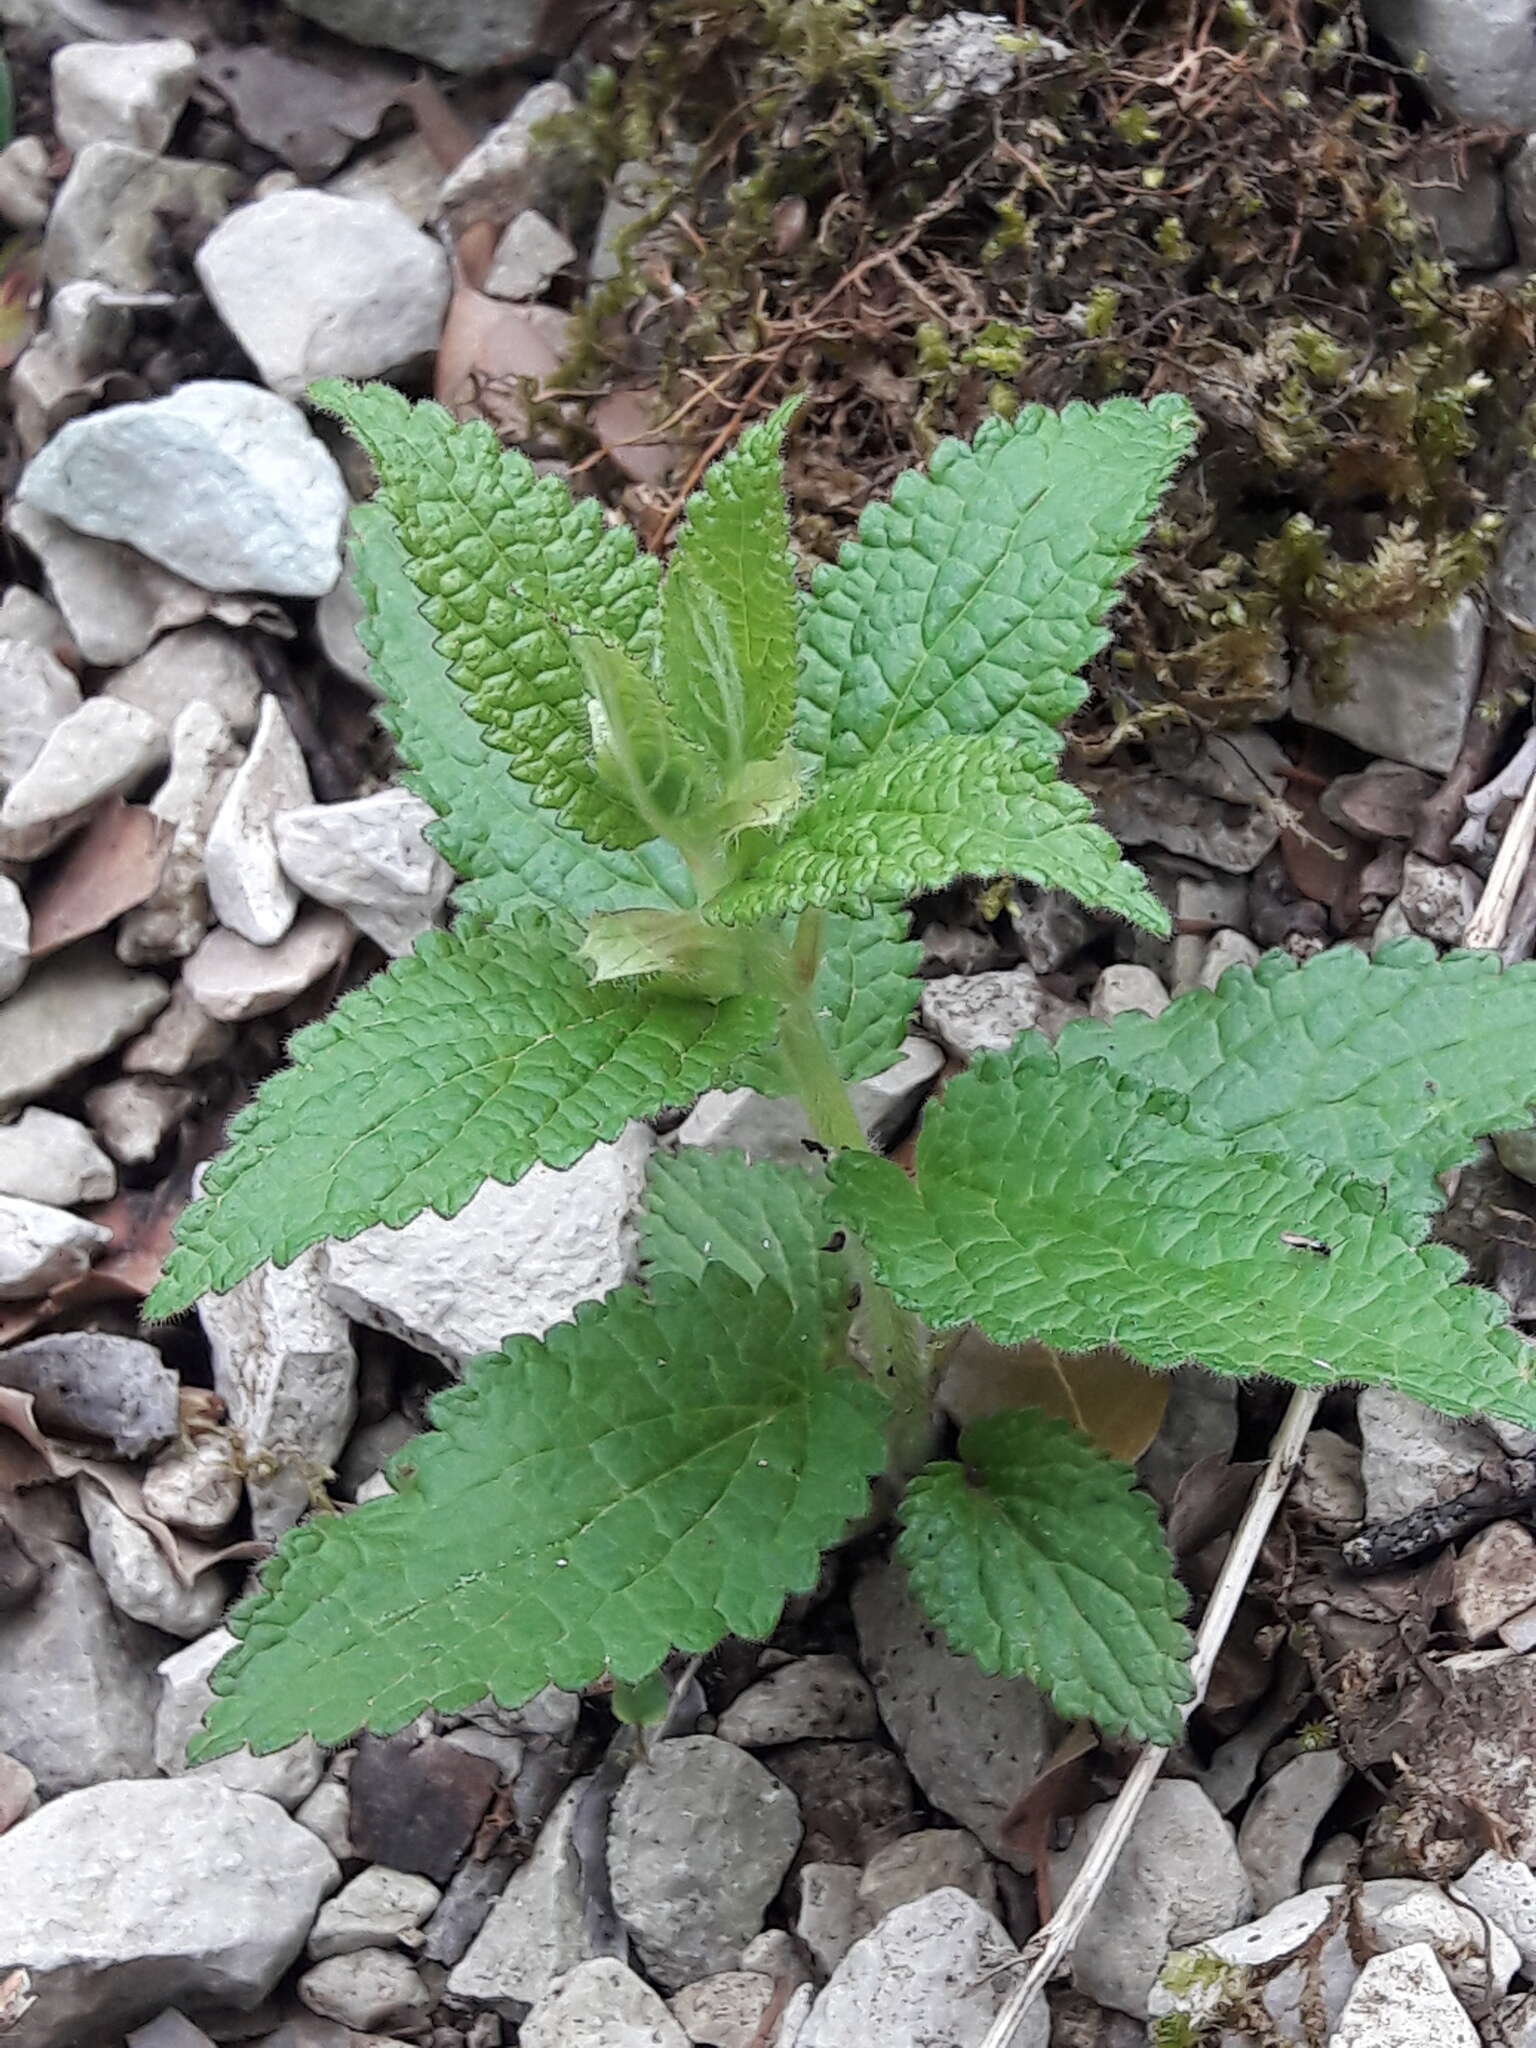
1408, 690
139, 1577
121, 92
247, 887
45, 1157
95, 1385
231, 979
1477, 58
37, 693
42, 1247
203, 664
288, 1776
536, 1931
972, 1013
461, 35
368, 859
114, 207
70, 1012
601, 2004
812, 1697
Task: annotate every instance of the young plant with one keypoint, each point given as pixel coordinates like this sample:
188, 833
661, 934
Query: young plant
686, 812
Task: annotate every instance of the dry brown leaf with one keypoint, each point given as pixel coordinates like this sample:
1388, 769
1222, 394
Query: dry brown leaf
303, 112
1112, 1400
490, 349
111, 868
21, 271
622, 423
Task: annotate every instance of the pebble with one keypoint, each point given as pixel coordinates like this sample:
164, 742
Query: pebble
1178, 1881
285, 1368
507, 168
182, 1038
926, 1862
45, 1157
37, 693
1158, 810
1412, 1457
42, 1247
970, 1740
1410, 690
369, 859
94, 1384
1382, 802
1438, 901
111, 214
222, 482
378, 1906
366, 1988
286, 1776
445, 32
1226, 949
121, 92
247, 887
363, 292
972, 1013
829, 1900
194, 1485
77, 1684
1281, 1823
1050, 926
700, 1840
1504, 1892
929, 1973
1495, 1579
337, 616
15, 943
327, 1812
173, 919
204, 664
775, 1127
135, 1115
1238, 767
601, 2004
813, 1696
140, 1579
232, 979
96, 752
529, 256
170, 2029
514, 1260
1402, 2000
18, 1792
1125, 986
126, 1898
70, 1012
725, 2011
1478, 65
26, 186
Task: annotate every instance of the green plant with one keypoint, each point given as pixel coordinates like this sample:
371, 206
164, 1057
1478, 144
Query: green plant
686, 812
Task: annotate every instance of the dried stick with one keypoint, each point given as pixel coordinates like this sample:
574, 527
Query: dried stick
1490, 921
1055, 1941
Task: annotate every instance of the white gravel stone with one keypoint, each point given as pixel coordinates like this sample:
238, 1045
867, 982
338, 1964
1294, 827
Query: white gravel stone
1178, 1881
812, 1697
503, 171
461, 35
1409, 690
363, 291
96, 752
112, 209
70, 1012
1223, 950
173, 920
135, 1114
15, 951
194, 1485
601, 2004
969, 1740
285, 1368
1436, 900
725, 2011
536, 1931
26, 188
232, 979
929, 1973
26, 615
77, 1684
368, 859
513, 1261
1504, 1892
130, 1897
1282, 1821
182, 1038
37, 693
247, 887
914, 1865
139, 1577
1477, 62
121, 92
45, 1157
336, 621
700, 1840
203, 664
972, 1013
775, 1127
41, 1247
327, 1812
222, 482
1125, 986
824, 1918
287, 1776
1412, 1457
378, 1906
366, 1988
1402, 2000
531, 253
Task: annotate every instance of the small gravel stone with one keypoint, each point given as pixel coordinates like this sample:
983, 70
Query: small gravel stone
461, 35
222, 482
1329, 1489
929, 1973
134, 1115
15, 938
205, 665
1412, 1457
173, 919
971, 1013
1504, 1892
116, 204
927, 1861
232, 979
121, 92
725, 2011
18, 1792
1126, 987
363, 292
182, 1038
1160, 810
102, 748
1382, 802
601, 2004
417, 1801
366, 1988
26, 188
536, 1931
1495, 1580
377, 1907
139, 1577
42, 1247
70, 1012
814, 1696
1402, 2000
506, 169
854, 1797
247, 887
775, 1127
1226, 949
530, 255
370, 860
1410, 690
126, 1898
194, 1485
37, 693
700, 1840
93, 1384
1281, 1824
286, 1776
327, 1813
824, 1919
1477, 65
1438, 901
45, 1157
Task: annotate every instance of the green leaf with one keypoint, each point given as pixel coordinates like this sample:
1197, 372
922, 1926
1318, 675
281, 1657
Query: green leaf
486, 1052
688, 956
640, 754
1069, 1205
510, 566
969, 602
515, 853
1036, 1557
915, 818
1390, 1068
729, 605
647, 1476
767, 1223
865, 992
